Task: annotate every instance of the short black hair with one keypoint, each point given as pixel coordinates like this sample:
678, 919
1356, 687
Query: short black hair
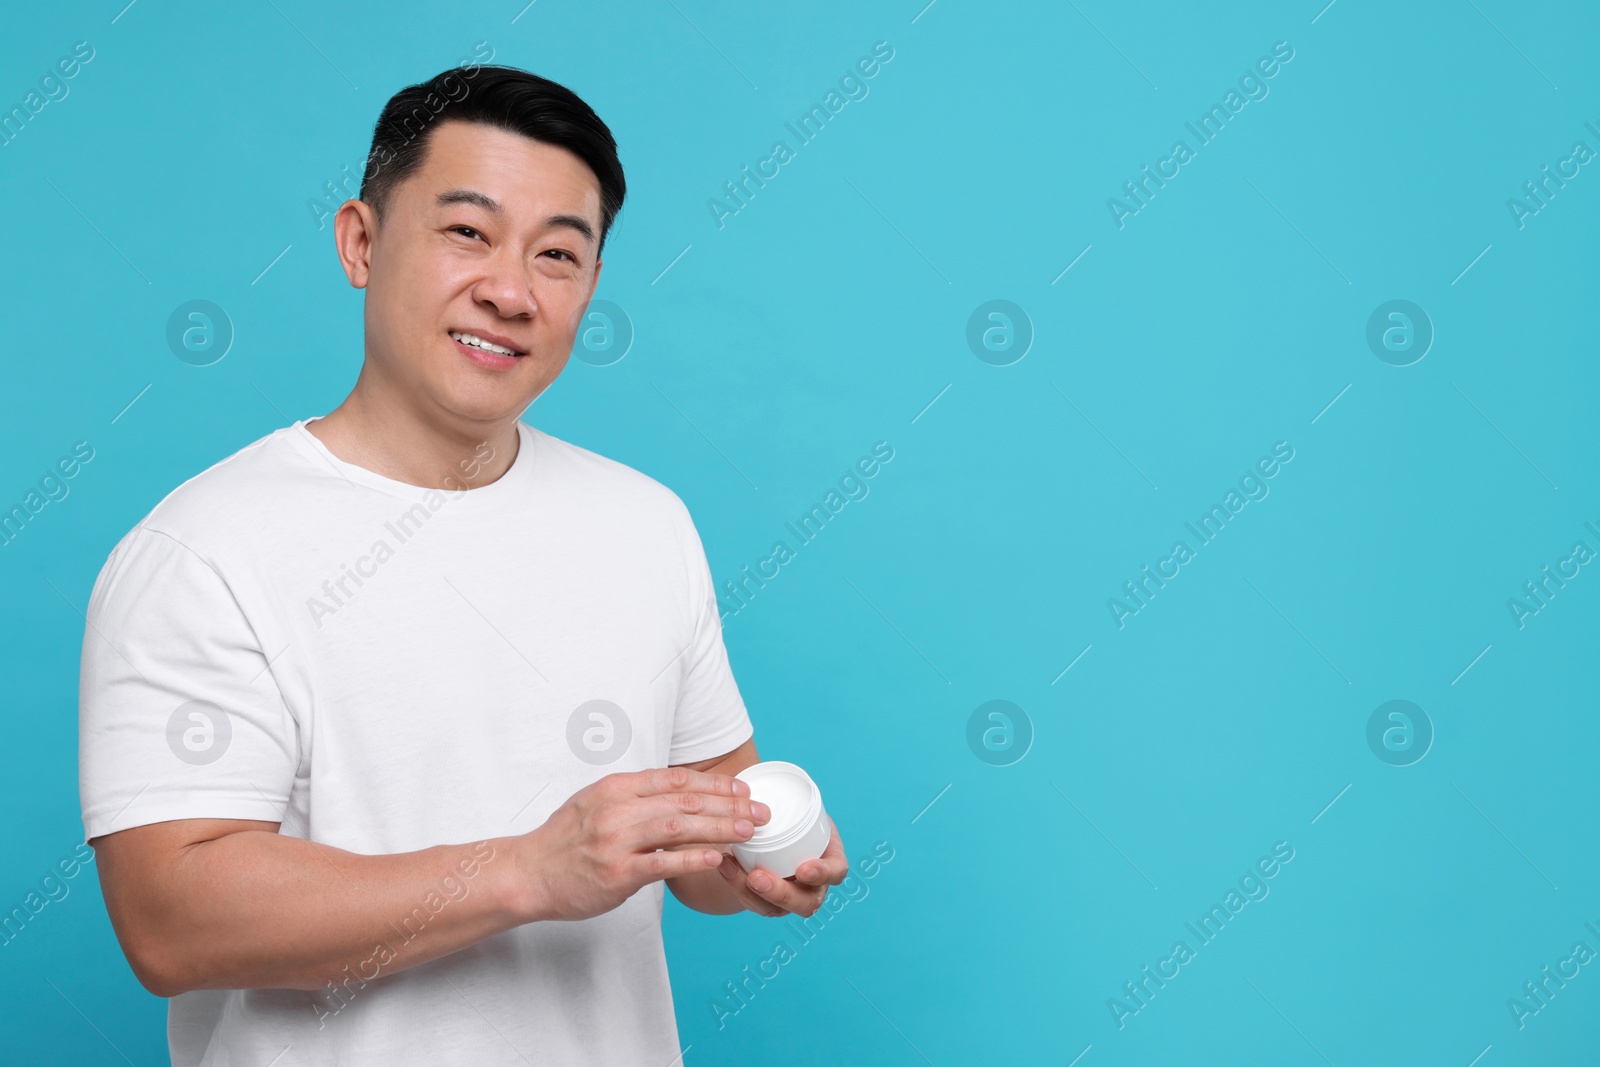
504, 97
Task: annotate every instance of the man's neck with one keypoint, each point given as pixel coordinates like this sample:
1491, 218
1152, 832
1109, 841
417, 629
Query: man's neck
399, 442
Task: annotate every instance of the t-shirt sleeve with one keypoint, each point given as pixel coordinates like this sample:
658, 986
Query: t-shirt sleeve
711, 717
179, 716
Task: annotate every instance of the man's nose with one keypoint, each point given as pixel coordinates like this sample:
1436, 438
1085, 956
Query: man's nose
507, 288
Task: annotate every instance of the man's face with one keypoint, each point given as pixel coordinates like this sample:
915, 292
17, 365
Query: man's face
484, 239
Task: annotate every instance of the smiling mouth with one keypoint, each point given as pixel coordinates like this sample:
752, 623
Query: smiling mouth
472, 340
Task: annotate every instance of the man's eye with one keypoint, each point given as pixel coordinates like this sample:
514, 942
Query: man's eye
467, 230
559, 252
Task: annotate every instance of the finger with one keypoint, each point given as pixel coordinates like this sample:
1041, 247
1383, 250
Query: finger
734, 875
675, 828
669, 863
686, 780
828, 869
790, 896
706, 804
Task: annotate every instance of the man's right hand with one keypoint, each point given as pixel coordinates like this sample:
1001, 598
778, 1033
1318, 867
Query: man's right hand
616, 835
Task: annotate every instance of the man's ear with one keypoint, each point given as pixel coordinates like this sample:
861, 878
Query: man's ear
355, 227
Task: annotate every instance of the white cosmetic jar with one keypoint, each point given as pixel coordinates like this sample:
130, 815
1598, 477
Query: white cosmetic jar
798, 830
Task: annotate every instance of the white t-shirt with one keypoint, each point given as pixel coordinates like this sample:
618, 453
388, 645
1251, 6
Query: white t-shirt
383, 667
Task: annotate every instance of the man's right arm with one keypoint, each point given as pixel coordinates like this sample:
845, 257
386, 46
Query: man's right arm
233, 904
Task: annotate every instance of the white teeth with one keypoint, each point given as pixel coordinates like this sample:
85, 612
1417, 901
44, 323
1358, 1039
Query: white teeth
477, 342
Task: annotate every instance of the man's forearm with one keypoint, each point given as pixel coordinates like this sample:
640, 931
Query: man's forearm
257, 909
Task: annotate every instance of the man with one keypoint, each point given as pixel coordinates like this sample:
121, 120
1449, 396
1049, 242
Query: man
394, 722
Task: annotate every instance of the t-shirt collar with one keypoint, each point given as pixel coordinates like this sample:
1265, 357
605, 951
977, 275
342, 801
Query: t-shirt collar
518, 473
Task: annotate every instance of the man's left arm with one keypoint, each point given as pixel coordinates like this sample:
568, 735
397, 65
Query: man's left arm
730, 889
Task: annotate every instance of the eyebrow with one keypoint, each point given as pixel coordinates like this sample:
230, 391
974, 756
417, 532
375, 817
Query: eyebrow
492, 206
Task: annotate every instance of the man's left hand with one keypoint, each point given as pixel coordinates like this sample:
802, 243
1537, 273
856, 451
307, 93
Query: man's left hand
765, 893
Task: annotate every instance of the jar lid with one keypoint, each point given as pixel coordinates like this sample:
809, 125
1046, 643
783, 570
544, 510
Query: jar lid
794, 798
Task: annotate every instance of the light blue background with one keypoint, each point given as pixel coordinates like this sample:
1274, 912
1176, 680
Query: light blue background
826, 316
